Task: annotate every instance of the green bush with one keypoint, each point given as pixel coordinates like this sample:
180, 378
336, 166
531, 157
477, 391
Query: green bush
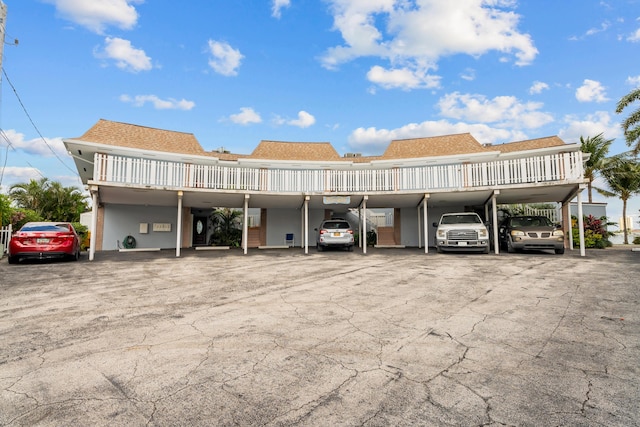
595, 232
636, 240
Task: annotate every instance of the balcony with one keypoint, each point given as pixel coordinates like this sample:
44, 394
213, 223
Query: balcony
552, 169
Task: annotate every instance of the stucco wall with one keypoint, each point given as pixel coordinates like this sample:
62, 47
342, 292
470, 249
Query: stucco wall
283, 221
124, 220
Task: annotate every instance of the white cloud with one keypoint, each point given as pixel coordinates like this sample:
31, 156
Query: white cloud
158, 104
633, 81
635, 37
15, 174
589, 125
96, 15
37, 146
225, 60
469, 74
277, 7
374, 141
402, 78
591, 91
126, 56
504, 111
538, 87
418, 34
304, 120
246, 116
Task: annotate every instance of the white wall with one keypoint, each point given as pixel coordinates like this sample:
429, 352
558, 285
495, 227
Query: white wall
124, 220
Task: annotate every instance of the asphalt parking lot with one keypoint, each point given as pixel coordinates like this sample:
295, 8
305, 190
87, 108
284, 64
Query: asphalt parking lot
280, 338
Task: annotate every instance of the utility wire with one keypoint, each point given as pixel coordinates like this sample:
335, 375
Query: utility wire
34, 125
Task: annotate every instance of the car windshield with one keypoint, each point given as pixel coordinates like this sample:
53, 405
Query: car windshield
461, 219
336, 224
45, 227
531, 221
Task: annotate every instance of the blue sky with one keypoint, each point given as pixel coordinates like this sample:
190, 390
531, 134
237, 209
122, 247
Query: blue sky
355, 73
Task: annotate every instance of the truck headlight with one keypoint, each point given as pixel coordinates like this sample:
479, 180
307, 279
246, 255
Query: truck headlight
441, 234
558, 233
517, 233
483, 233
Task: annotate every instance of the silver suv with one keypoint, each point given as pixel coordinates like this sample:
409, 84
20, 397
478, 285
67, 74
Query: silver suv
462, 231
334, 233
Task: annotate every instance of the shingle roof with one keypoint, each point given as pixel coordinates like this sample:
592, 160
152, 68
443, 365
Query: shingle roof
142, 137
312, 151
531, 144
446, 145
146, 138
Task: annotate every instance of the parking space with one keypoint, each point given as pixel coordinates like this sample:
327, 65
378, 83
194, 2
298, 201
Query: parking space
277, 337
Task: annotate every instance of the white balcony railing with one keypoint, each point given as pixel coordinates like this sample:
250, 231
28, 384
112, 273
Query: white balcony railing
137, 171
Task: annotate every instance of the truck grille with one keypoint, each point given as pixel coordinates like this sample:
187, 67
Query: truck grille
462, 235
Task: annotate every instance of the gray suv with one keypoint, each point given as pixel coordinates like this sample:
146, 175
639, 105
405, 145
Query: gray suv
334, 233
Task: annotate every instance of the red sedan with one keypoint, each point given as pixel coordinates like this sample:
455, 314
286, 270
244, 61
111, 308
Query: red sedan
44, 240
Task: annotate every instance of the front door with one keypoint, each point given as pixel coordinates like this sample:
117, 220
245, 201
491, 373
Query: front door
199, 230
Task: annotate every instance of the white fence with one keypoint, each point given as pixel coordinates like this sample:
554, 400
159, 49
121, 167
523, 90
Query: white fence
137, 171
5, 236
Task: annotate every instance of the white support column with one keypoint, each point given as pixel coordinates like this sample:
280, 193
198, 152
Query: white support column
94, 221
581, 222
494, 207
569, 226
306, 224
420, 228
179, 224
364, 220
245, 224
425, 219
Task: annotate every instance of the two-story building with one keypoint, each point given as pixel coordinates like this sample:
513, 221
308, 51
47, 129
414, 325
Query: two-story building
159, 186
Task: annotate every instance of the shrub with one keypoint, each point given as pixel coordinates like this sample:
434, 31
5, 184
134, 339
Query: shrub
595, 232
636, 240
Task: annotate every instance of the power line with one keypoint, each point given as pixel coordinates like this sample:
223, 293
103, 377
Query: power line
34, 125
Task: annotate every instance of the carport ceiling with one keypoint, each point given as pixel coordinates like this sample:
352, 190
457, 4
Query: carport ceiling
200, 198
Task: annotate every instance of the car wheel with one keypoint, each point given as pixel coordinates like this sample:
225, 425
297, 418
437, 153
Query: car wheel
438, 249
510, 247
559, 251
77, 255
319, 248
486, 250
12, 260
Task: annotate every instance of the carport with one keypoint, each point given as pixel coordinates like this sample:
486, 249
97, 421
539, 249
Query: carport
485, 198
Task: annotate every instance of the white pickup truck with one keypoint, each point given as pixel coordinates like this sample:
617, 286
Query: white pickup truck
463, 231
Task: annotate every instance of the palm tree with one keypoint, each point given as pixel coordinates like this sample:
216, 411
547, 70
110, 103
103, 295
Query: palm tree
226, 227
631, 125
31, 195
622, 175
598, 148
49, 199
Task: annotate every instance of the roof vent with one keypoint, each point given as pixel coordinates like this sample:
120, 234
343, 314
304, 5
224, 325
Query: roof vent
222, 150
353, 154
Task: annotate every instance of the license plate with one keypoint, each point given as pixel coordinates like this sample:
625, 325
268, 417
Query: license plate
337, 234
462, 243
42, 241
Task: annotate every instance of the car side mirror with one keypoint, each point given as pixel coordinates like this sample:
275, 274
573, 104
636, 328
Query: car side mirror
435, 224
315, 229
558, 226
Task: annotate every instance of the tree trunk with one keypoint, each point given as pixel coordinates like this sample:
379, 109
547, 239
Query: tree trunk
624, 221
